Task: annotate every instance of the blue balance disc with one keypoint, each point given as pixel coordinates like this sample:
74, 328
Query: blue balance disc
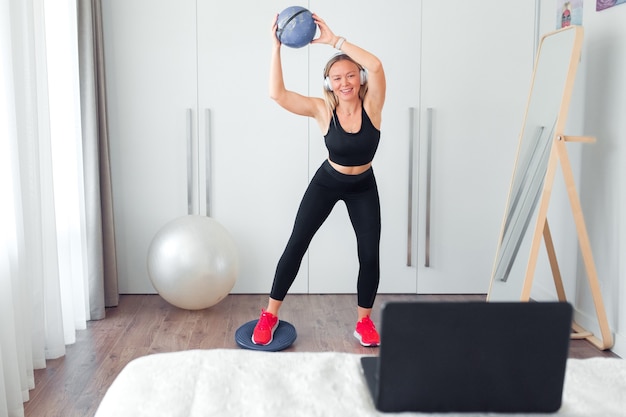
284, 336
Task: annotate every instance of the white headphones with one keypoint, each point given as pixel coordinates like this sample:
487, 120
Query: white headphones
362, 75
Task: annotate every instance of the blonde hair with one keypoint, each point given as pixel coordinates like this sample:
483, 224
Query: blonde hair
329, 96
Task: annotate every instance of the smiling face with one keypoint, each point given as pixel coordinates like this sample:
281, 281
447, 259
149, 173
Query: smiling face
345, 79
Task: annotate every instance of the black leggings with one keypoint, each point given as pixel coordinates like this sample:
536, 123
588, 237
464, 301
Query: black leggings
360, 194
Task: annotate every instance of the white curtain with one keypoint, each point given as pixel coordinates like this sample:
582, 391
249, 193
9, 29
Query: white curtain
44, 290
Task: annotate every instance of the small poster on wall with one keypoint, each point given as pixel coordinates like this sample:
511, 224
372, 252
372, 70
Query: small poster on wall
570, 12
605, 4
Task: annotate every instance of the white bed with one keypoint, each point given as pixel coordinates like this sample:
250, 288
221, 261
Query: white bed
230, 382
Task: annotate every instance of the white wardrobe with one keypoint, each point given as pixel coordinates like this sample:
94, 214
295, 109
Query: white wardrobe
476, 68
192, 130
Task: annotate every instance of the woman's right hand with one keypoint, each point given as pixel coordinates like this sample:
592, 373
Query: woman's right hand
275, 41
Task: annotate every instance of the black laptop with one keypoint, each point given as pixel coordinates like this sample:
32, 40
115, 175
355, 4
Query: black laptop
470, 357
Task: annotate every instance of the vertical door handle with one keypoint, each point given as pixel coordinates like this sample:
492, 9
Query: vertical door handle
189, 128
537, 34
409, 237
429, 144
207, 161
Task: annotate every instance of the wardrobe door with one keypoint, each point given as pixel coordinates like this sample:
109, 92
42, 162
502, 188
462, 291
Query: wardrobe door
476, 67
253, 154
390, 30
150, 55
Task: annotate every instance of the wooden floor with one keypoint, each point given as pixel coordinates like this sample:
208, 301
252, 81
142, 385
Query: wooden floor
74, 385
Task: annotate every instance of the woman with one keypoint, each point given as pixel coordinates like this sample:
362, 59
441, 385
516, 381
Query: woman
349, 115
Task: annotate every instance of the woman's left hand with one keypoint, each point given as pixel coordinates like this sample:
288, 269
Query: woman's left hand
326, 35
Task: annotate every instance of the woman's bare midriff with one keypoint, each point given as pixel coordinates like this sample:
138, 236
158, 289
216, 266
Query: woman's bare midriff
356, 170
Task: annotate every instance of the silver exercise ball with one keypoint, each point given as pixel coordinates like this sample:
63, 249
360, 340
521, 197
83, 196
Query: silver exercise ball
193, 262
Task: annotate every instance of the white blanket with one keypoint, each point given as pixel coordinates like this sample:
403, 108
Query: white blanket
223, 382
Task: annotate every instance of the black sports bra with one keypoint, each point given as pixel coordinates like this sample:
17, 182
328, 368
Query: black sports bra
352, 149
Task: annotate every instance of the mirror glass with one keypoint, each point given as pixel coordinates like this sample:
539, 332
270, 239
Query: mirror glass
553, 69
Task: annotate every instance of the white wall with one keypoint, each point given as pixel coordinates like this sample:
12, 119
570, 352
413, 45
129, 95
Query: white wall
597, 109
602, 165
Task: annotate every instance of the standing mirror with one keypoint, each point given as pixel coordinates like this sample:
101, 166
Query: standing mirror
541, 146
546, 112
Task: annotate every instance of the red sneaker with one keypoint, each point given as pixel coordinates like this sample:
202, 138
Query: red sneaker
264, 330
366, 332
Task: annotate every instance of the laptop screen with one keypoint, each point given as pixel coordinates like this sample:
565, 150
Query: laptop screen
472, 356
